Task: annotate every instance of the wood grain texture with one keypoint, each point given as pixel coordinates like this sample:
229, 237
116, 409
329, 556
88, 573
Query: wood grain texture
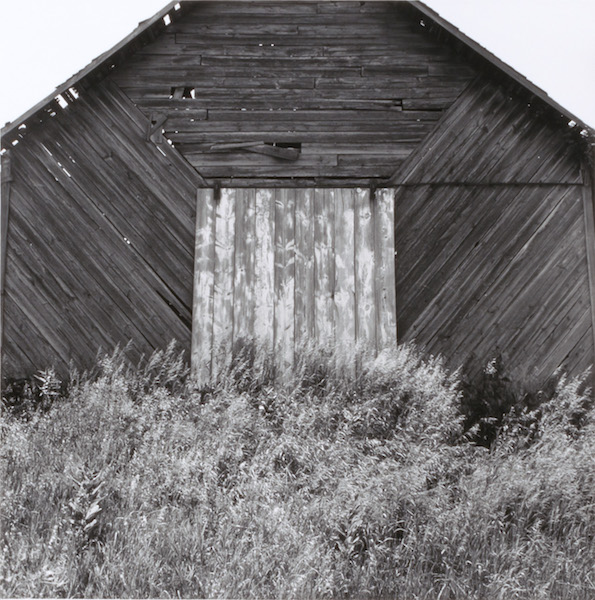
588, 172
384, 254
496, 270
223, 317
245, 240
284, 278
204, 280
344, 271
304, 268
491, 136
264, 269
339, 74
324, 249
100, 249
365, 267
4, 215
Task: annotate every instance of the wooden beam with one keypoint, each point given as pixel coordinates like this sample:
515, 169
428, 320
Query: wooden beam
384, 254
4, 213
588, 172
153, 127
204, 279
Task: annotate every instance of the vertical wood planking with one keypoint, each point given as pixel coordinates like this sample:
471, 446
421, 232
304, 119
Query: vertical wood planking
204, 277
293, 265
284, 278
324, 243
384, 251
344, 296
245, 233
365, 307
304, 267
224, 280
264, 267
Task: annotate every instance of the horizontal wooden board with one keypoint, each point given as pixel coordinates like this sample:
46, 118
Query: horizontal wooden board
358, 61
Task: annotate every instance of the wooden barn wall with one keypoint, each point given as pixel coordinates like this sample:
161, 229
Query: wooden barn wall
491, 239
282, 267
358, 84
100, 238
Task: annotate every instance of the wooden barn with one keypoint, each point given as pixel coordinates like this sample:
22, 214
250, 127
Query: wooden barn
279, 172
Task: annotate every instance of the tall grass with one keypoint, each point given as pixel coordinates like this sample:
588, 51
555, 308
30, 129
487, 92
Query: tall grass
360, 477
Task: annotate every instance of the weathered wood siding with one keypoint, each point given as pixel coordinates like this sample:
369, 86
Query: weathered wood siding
100, 238
358, 84
285, 118
282, 267
491, 239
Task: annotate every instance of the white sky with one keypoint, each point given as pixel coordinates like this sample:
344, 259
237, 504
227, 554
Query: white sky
551, 42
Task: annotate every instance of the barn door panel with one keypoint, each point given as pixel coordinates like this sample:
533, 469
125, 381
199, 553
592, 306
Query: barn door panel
283, 267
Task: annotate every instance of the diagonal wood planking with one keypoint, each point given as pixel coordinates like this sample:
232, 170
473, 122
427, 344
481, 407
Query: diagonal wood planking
101, 239
490, 234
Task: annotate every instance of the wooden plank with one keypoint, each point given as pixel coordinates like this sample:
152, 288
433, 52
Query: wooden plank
289, 170
298, 182
324, 244
460, 247
365, 307
588, 209
384, 251
181, 77
124, 279
270, 99
223, 296
241, 9
204, 279
44, 278
249, 159
284, 279
242, 20
410, 135
4, 215
395, 149
305, 325
264, 270
300, 115
134, 85
344, 285
245, 237
482, 316
210, 63
187, 130
275, 151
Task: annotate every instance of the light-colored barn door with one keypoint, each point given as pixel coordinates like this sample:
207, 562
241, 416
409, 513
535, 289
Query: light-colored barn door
279, 268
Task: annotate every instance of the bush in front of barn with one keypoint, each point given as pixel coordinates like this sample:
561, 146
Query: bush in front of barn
362, 477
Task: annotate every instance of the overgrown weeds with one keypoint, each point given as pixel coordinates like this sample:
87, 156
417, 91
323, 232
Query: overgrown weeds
360, 476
